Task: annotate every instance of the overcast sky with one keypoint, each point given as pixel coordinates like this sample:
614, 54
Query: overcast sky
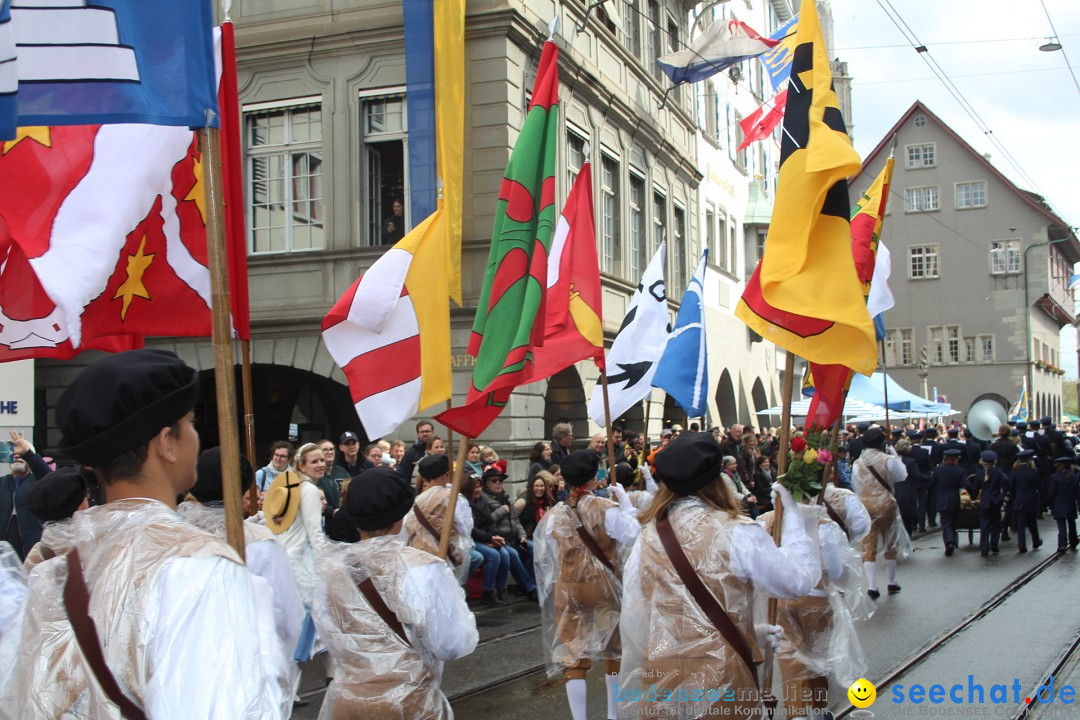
990, 50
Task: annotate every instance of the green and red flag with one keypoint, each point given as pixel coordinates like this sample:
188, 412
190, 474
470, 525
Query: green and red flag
509, 316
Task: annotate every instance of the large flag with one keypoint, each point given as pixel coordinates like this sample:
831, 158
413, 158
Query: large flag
112, 61
873, 265
637, 349
573, 327
683, 372
805, 295
760, 123
1019, 411
777, 60
720, 46
450, 127
390, 332
509, 314
103, 239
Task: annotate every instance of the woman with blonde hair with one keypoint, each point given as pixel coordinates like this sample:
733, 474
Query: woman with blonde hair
696, 546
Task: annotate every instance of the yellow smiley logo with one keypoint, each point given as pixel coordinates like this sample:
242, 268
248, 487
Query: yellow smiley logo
862, 693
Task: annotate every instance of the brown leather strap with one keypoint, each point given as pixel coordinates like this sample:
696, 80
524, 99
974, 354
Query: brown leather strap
705, 600
378, 605
877, 476
593, 547
834, 516
77, 605
426, 524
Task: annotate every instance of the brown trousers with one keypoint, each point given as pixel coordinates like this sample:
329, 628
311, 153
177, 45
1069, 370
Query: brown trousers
804, 620
880, 524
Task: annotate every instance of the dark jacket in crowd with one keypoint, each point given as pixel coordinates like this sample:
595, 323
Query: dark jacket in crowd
1006, 451
988, 486
500, 509
15, 505
1024, 483
950, 480
1063, 495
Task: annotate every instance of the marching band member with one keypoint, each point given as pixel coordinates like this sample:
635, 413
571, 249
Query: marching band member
874, 475
690, 586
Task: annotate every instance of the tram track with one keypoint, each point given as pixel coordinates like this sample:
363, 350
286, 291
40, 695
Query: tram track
985, 609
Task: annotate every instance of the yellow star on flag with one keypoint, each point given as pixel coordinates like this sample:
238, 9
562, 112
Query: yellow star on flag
133, 286
197, 194
39, 133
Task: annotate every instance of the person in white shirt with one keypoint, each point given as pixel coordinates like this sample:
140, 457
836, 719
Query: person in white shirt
874, 474
173, 608
390, 614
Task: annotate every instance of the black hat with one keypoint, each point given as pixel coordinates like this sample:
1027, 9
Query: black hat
1014, 432
1025, 453
953, 432
874, 438
494, 472
59, 494
1066, 459
624, 474
348, 436
208, 486
988, 456
952, 452
692, 461
433, 466
122, 401
862, 427
379, 499
930, 432
897, 432
1021, 426
580, 466
1046, 421
914, 434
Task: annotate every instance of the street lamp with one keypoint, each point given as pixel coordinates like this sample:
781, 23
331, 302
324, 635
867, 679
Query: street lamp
1027, 318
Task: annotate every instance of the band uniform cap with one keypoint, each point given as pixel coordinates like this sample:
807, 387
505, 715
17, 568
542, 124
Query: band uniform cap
1021, 426
1046, 421
953, 432
862, 427
347, 437
988, 456
580, 466
208, 485
58, 495
1014, 432
930, 432
1025, 453
379, 499
1065, 459
282, 501
897, 432
952, 452
121, 401
433, 466
692, 461
914, 434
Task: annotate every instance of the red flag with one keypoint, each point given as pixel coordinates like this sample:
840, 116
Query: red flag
760, 123
573, 328
830, 390
232, 167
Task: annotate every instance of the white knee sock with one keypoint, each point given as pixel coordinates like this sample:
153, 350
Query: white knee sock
891, 566
575, 695
871, 573
612, 685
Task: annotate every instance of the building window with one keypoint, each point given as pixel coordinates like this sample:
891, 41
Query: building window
922, 199
678, 243
721, 243
710, 106
969, 350
762, 236
655, 45
575, 158
710, 232
921, 156
937, 344
898, 346
673, 46
986, 348
659, 217
971, 195
285, 185
952, 335
385, 132
920, 120
731, 250
633, 27
739, 156
907, 346
611, 227
638, 243
922, 261
1004, 257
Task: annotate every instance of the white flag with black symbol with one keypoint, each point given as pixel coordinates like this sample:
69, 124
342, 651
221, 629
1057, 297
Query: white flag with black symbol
633, 357
683, 370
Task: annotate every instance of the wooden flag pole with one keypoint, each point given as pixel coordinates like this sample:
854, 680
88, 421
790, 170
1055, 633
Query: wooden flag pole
610, 439
455, 490
645, 447
249, 419
224, 380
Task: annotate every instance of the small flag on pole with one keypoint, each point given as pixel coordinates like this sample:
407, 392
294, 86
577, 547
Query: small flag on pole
683, 372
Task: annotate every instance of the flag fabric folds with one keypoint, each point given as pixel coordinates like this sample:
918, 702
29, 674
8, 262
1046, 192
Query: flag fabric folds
683, 371
805, 295
509, 315
759, 124
450, 127
419, 29
1019, 411
573, 327
638, 347
390, 332
232, 172
777, 60
113, 61
718, 47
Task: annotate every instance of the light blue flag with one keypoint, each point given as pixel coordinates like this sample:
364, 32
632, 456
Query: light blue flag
683, 372
112, 61
777, 61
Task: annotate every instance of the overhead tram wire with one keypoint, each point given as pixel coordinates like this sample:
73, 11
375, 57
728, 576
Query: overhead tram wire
953, 90
1054, 30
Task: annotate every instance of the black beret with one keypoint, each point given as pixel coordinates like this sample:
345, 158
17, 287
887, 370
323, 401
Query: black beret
624, 474
690, 463
874, 438
122, 401
208, 485
952, 452
379, 498
433, 466
988, 456
59, 494
580, 466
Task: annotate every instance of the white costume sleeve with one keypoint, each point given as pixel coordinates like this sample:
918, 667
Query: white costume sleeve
12, 589
650, 483
201, 637
621, 526
311, 515
463, 519
858, 519
448, 629
785, 572
267, 559
834, 544
897, 471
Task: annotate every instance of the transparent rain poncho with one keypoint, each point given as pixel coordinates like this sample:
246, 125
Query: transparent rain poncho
378, 674
56, 539
12, 590
183, 627
579, 596
433, 503
675, 662
892, 538
853, 584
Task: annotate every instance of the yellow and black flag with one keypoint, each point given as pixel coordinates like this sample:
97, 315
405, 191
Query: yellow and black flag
805, 294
